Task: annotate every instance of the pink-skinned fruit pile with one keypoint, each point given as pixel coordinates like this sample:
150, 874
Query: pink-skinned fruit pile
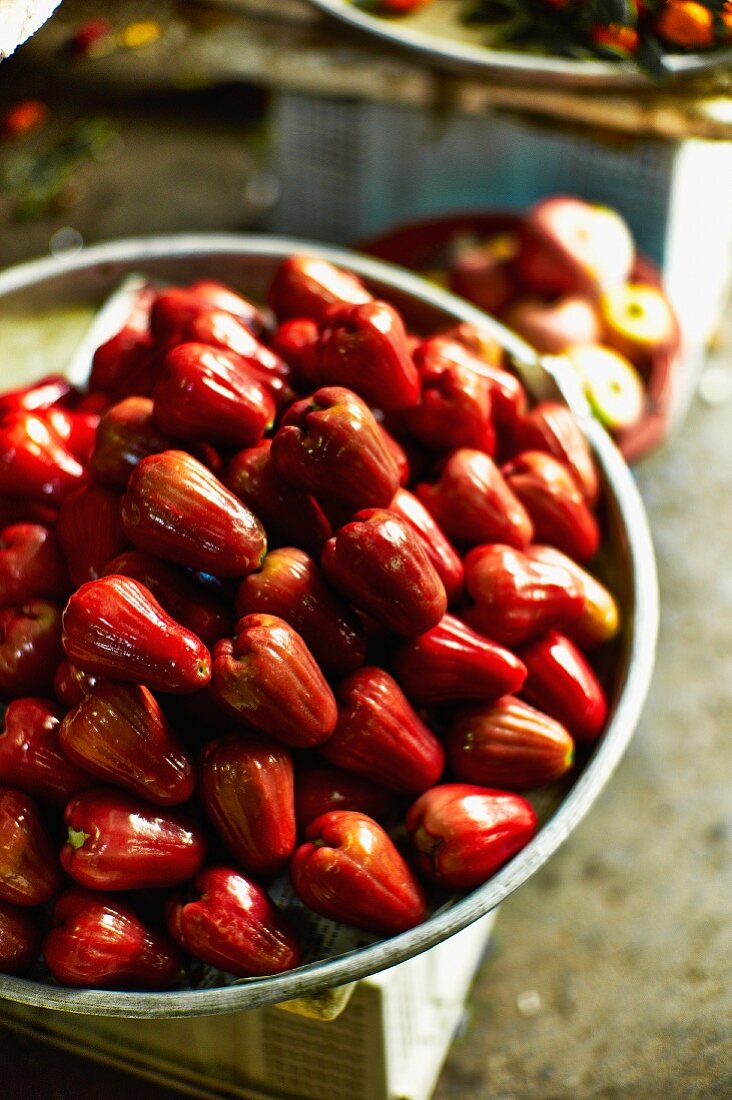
286, 591
566, 281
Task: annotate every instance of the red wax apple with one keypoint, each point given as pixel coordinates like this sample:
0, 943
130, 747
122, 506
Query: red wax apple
31, 756
437, 546
349, 870
34, 460
563, 684
306, 286
508, 744
473, 503
379, 562
193, 605
29, 870
30, 648
90, 531
114, 627
451, 663
247, 789
116, 842
552, 327
515, 598
98, 942
20, 939
266, 677
380, 737
462, 834
291, 517
556, 504
31, 565
119, 734
229, 922
207, 394
320, 788
364, 348
126, 434
330, 445
291, 586
176, 509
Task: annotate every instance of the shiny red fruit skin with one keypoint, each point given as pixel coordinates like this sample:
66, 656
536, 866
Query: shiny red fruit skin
30, 648
509, 745
96, 941
291, 518
42, 394
175, 508
364, 348
473, 503
307, 286
551, 427
267, 678
349, 870
35, 462
174, 308
296, 340
207, 394
71, 684
231, 923
31, 565
20, 939
601, 618
247, 789
379, 735
555, 503
465, 346
562, 683
32, 759
461, 834
29, 870
455, 408
515, 598
291, 586
114, 627
330, 445
76, 428
89, 530
117, 842
399, 455
196, 608
379, 562
222, 330
320, 788
128, 364
452, 663
119, 734
438, 547
127, 433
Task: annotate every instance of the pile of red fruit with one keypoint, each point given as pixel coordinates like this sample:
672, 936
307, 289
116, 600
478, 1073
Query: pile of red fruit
334, 634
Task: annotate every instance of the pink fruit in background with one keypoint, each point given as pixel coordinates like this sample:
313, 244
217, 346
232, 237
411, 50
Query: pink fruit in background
569, 246
553, 327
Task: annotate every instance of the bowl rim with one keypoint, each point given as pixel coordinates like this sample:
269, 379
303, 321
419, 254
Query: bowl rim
643, 614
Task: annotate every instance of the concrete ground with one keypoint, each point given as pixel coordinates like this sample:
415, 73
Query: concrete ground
610, 975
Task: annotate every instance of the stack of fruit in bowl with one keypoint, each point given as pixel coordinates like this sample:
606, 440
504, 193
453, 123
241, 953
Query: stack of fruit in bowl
567, 278
287, 593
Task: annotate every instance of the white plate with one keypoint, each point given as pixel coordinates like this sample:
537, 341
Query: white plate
437, 32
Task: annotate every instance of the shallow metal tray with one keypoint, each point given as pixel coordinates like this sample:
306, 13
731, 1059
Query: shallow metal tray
34, 292
437, 33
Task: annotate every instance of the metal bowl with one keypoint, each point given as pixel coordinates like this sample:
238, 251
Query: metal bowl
437, 33
34, 290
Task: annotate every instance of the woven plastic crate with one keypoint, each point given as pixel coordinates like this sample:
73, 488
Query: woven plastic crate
388, 1043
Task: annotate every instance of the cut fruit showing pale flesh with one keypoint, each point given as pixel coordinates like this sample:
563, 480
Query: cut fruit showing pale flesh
612, 385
